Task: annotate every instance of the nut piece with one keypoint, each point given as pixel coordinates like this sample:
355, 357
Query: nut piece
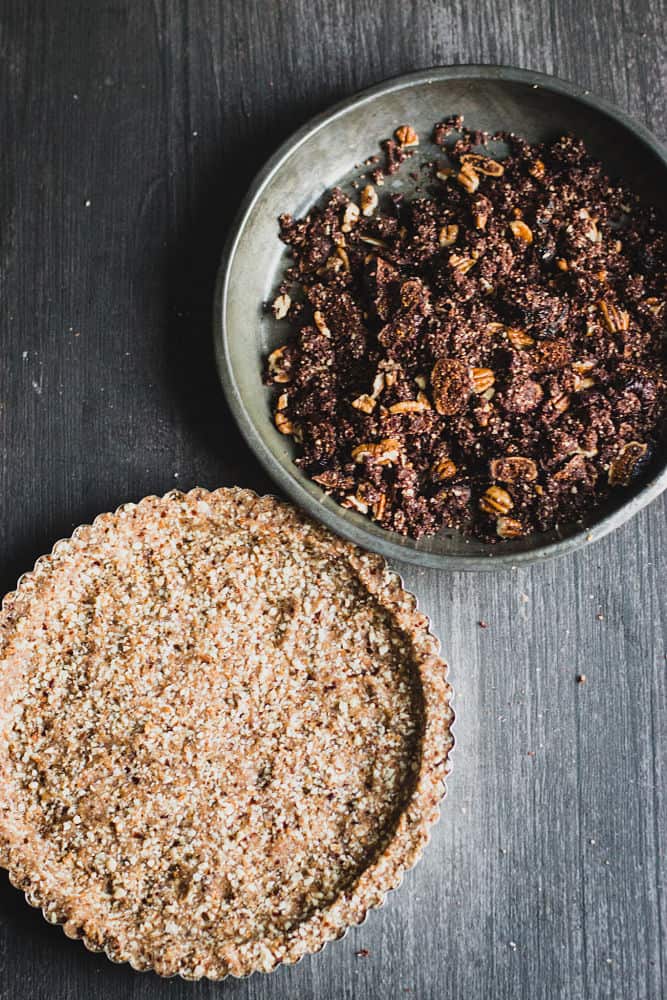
461, 263
279, 365
409, 406
373, 242
444, 469
341, 254
354, 503
496, 500
368, 199
537, 170
378, 508
624, 466
615, 319
364, 403
450, 380
560, 402
282, 421
467, 178
321, 324
483, 164
350, 217
513, 469
521, 231
281, 305
385, 452
406, 136
448, 235
509, 527
518, 338
482, 379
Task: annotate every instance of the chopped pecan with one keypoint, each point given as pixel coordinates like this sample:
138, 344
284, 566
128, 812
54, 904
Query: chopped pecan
496, 500
279, 363
351, 215
509, 527
444, 469
518, 338
281, 305
482, 379
483, 164
616, 320
409, 406
521, 231
364, 403
384, 452
448, 235
468, 178
368, 200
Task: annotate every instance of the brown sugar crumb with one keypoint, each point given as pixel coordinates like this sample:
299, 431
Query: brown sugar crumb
223, 734
509, 317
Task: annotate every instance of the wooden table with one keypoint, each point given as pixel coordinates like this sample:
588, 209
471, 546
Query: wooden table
129, 133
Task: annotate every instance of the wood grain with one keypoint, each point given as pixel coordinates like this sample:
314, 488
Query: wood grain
129, 133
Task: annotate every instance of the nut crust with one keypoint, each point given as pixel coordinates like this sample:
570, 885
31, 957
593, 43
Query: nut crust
62, 880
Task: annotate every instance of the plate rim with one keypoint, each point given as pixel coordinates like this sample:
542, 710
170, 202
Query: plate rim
358, 533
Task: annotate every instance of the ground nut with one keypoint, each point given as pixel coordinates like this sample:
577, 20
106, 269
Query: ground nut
496, 500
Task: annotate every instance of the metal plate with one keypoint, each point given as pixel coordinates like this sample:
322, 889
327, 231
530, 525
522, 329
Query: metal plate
324, 153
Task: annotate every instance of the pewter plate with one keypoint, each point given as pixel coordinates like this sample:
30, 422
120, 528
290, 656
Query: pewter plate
326, 152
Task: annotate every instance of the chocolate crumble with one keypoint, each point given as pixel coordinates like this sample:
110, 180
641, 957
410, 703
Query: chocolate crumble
488, 356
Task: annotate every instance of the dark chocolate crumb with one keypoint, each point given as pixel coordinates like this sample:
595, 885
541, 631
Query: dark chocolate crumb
488, 357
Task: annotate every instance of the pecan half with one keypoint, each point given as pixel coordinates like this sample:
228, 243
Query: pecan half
482, 379
496, 500
509, 527
406, 136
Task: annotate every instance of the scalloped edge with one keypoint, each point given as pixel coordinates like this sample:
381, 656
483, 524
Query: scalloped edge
421, 812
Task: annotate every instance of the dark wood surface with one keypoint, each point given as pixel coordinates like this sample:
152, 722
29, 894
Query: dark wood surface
129, 131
